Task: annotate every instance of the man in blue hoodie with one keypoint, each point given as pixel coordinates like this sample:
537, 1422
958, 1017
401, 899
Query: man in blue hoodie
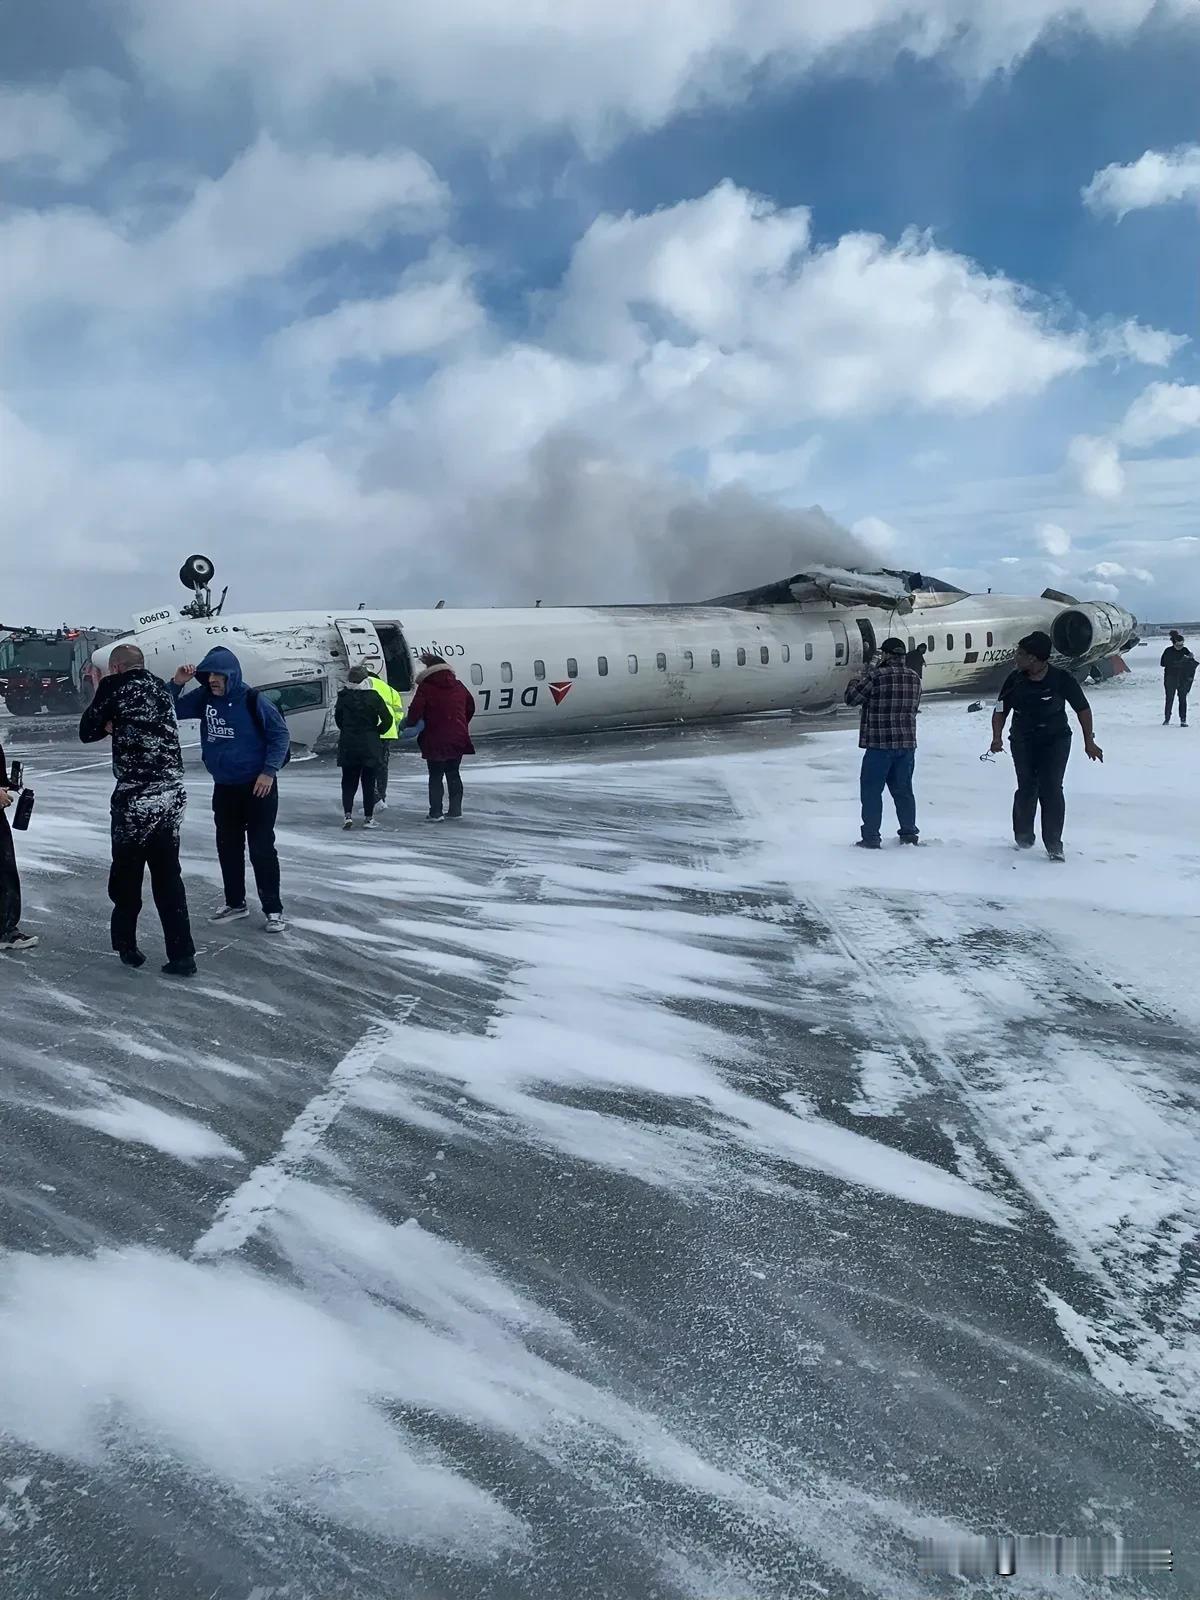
244, 742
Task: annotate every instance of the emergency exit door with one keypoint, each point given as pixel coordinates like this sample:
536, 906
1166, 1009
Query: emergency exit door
841, 646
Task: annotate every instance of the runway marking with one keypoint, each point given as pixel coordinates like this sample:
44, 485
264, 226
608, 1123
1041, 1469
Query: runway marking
243, 1213
94, 766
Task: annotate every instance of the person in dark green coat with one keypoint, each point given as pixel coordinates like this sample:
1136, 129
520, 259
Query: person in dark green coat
362, 720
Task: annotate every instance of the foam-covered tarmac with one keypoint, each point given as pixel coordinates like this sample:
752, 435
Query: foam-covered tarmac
631, 1192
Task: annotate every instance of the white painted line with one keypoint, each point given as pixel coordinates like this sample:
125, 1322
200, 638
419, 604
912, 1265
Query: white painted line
248, 1207
93, 766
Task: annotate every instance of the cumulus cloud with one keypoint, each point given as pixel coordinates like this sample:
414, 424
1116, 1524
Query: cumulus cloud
1055, 541
268, 210
1105, 570
1133, 341
1155, 179
1096, 464
508, 70
433, 304
1163, 411
64, 132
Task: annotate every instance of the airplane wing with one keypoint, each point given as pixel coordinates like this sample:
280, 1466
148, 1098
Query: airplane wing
890, 591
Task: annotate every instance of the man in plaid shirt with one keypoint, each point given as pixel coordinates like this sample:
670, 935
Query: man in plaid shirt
889, 693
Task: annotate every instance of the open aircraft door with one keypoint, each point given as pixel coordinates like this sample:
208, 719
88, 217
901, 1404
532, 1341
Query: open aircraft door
359, 640
841, 646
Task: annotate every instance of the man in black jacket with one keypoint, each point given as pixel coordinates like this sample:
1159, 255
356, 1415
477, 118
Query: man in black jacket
11, 937
362, 719
1179, 668
135, 708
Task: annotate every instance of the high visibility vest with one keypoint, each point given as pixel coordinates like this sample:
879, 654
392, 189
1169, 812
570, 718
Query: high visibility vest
394, 701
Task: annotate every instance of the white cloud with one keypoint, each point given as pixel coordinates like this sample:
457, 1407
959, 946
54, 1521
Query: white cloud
1154, 179
1163, 411
1055, 541
267, 211
1096, 464
67, 132
1104, 591
768, 472
506, 69
433, 305
724, 296
1133, 341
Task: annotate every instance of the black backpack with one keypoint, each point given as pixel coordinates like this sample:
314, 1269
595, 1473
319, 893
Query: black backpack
252, 699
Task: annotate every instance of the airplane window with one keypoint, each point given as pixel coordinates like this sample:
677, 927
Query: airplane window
539, 669
764, 654
661, 661
839, 650
967, 640
989, 640
949, 641
506, 672
602, 666
716, 658
689, 661
741, 657
786, 653
572, 667
932, 642
808, 652
912, 644
632, 660
476, 674
296, 696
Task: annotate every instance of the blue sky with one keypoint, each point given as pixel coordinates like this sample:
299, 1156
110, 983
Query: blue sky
596, 301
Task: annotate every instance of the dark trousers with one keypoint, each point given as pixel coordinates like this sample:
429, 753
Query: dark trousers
130, 858
244, 821
447, 770
10, 882
381, 771
1173, 690
368, 777
1040, 765
893, 768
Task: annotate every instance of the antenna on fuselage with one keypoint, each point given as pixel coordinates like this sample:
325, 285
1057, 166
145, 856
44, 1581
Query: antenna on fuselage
197, 574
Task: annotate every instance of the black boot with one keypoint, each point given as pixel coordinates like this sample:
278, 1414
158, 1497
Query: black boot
133, 957
182, 967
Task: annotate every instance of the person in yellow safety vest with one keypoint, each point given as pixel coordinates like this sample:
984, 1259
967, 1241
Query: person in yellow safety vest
394, 701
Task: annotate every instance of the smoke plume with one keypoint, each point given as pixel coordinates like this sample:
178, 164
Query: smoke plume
582, 527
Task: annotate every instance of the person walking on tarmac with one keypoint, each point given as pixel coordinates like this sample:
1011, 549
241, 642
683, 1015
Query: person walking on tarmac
394, 701
889, 693
135, 708
362, 719
445, 707
1179, 669
915, 660
1038, 695
244, 743
11, 937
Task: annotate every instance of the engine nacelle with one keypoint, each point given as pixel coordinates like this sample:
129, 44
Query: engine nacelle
1091, 630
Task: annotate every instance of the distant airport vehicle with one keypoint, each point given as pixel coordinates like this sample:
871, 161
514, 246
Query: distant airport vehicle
50, 671
790, 646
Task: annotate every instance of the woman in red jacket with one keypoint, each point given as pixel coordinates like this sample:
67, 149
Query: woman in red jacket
446, 707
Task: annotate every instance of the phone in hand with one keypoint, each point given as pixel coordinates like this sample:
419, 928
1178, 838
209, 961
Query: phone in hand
16, 772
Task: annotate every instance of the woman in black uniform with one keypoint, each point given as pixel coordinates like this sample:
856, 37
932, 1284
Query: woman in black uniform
1038, 695
11, 937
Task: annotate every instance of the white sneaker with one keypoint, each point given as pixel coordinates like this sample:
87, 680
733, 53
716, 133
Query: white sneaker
347, 824
19, 941
230, 914
381, 805
275, 922
370, 823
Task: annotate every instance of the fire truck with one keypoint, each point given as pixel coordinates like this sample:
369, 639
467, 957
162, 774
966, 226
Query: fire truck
49, 671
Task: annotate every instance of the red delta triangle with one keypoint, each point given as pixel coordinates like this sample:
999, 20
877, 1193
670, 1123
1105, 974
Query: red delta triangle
560, 691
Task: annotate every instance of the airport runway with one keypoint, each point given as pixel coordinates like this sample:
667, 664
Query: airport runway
631, 1192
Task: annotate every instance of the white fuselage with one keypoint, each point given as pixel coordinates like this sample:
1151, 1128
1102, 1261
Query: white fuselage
574, 669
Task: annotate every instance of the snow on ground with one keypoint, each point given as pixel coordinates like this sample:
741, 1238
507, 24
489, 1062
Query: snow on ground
635, 1191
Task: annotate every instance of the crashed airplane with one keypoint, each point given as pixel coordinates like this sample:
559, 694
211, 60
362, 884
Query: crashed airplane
793, 645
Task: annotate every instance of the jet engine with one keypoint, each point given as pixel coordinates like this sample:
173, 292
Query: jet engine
1090, 630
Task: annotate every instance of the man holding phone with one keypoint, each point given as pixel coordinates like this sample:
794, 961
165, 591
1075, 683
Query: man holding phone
11, 937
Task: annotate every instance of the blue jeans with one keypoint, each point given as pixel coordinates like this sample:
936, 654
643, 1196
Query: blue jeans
895, 769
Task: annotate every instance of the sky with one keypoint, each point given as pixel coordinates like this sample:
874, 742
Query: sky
504, 300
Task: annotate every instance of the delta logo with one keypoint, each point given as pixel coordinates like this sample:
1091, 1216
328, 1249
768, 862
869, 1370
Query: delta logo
560, 691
